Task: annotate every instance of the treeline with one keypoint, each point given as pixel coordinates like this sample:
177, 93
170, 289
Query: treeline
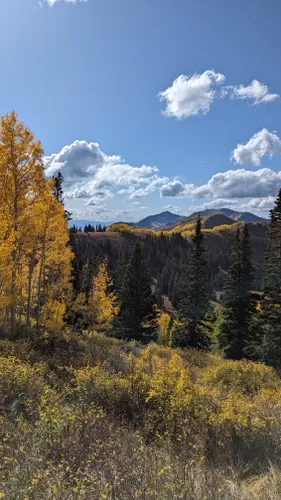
88, 228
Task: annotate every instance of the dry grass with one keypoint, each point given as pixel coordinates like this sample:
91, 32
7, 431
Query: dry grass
90, 417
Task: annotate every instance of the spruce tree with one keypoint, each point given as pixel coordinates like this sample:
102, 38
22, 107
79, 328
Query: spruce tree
265, 341
120, 274
138, 314
58, 193
237, 297
194, 299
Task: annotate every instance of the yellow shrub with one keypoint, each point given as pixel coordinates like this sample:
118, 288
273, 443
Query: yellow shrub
243, 377
21, 386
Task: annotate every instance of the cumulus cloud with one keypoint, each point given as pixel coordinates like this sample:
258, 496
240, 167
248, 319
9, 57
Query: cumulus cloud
91, 174
256, 92
149, 188
261, 144
191, 95
231, 184
176, 189
258, 204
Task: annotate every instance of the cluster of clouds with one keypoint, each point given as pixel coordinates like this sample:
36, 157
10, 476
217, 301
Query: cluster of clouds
239, 183
94, 177
193, 95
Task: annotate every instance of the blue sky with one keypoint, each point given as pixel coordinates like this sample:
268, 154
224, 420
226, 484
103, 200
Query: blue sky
148, 105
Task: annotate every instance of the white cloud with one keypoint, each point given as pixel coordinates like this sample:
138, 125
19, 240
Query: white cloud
51, 3
173, 208
214, 204
191, 95
256, 92
231, 184
91, 174
150, 188
258, 204
261, 144
176, 189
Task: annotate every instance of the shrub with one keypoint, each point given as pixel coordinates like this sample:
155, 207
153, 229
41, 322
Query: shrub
21, 387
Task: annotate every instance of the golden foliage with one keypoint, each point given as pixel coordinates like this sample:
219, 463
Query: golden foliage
103, 305
35, 259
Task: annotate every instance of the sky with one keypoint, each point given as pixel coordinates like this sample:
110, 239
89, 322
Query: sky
149, 106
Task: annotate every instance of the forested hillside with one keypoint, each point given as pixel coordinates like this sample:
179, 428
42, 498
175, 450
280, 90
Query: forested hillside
105, 391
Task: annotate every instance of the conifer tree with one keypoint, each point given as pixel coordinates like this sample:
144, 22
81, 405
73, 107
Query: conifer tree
138, 313
265, 340
237, 297
194, 300
120, 274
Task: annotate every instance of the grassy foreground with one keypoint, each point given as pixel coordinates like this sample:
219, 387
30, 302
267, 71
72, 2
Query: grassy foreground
89, 417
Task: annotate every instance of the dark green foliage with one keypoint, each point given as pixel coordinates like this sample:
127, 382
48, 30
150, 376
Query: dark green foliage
137, 316
237, 298
265, 341
272, 281
195, 296
189, 333
58, 192
120, 274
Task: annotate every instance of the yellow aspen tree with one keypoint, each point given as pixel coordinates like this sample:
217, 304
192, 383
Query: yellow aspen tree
102, 306
21, 181
163, 329
35, 256
53, 254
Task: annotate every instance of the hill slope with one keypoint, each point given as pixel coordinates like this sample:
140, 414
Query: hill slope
233, 214
159, 221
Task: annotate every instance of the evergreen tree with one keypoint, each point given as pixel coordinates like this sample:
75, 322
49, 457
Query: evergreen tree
58, 192
265, 340
237, 298
194, 300
138, 314
57, 187
120, 274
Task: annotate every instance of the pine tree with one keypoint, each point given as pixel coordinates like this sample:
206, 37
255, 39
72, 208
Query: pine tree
57, 187
120, 274
237, 297
265, 340
194, 300
138, 314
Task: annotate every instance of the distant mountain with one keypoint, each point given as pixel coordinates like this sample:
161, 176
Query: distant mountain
159, 221
232, 214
